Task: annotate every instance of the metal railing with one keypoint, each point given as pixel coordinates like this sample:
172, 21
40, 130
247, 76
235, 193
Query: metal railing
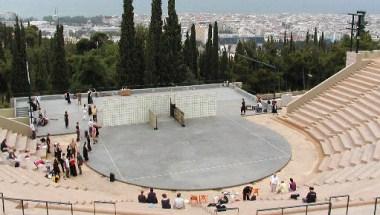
2, 202
297, 206
342, 196
102, 202
22, 201
376, 202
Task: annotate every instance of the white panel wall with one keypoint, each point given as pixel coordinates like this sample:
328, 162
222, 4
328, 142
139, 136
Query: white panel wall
135, 109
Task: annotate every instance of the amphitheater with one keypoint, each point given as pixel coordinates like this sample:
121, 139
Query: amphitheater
333, 131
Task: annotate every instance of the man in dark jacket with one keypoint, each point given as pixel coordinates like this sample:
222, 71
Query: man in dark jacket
152, 198
141, 198
311, 196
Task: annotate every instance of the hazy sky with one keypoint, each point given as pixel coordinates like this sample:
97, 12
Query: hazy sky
39, 8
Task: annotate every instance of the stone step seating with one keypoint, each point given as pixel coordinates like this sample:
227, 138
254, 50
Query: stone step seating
373, 70
351, 92
19, 142
365, 78
359, 155
35, 178
358, 189
340, 176
339, 101
77, 197
357, 81
319, 108
11, 139
331, 122
3, 134
357, 87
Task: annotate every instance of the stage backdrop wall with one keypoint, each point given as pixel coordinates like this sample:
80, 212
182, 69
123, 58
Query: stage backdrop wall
130, 110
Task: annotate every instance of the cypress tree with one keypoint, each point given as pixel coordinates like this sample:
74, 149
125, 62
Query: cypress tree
39, 38
207, 61
322, 44
166, 66
315, 37
285, 38
140, 55
291, 45
19, 76
187, 51
173, 31
59, 74
2, 55
215, 52
153, 55
194, 53
2, 41
127, 72
239, 51
224, 65
40, 72
307, 38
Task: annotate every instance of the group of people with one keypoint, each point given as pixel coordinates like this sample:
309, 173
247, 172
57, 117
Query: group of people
277, 186
271, 106
281, 187
151, 198
41, 119
248, 194
69, 163
78, 95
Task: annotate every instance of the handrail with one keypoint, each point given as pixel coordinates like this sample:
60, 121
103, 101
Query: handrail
36, 201
2, 202
226, 209
296, 206
376, 201
104, 202
342, 196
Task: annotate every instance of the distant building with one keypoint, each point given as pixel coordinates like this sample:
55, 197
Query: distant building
233, 39
201, 33
8, 18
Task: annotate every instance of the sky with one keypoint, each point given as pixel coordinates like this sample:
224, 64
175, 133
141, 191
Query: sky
40, 8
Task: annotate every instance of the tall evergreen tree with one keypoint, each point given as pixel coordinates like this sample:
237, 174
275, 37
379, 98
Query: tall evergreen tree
292, 46
322, 43
59, 74
215, 52
39, 38
2, 55
187, 51
153, 52
224, 74
315, 37
174, 38
127, 71
307, 40
194, 53
141, 35
206, 71
285, 38
40, 72
19, 76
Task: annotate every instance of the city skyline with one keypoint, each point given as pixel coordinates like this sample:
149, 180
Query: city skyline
40, 8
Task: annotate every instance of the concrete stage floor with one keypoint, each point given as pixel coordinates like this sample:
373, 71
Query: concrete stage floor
209, 153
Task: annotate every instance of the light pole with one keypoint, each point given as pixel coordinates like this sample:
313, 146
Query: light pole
30, 94
360, 28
